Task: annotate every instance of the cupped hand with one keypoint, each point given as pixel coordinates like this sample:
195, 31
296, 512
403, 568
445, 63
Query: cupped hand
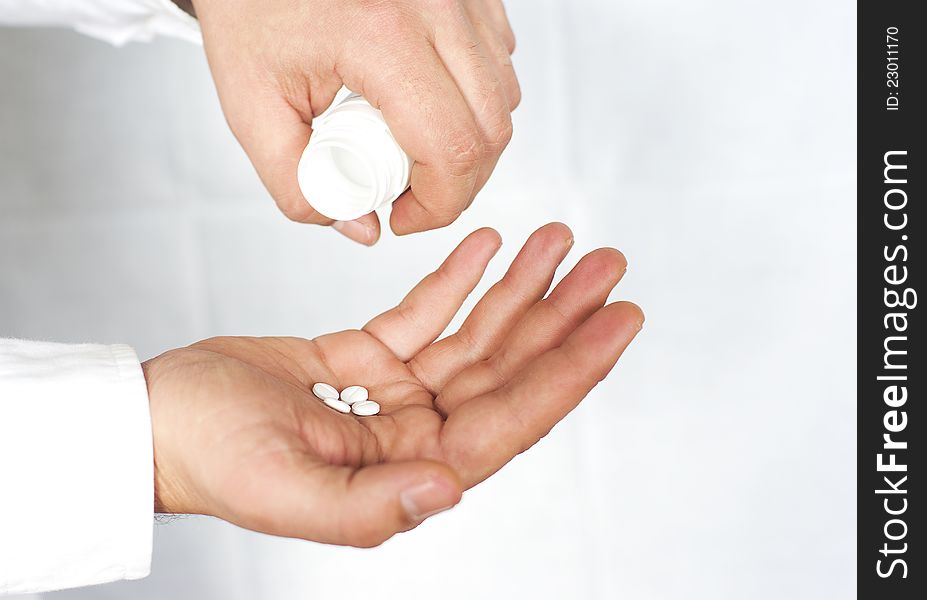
239, 435
440, 71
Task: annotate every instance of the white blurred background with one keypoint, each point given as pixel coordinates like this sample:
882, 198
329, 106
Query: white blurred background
713, 142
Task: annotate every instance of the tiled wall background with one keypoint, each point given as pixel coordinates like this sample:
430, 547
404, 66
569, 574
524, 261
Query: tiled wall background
713, 142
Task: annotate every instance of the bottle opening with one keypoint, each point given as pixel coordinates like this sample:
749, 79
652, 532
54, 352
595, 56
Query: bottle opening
338, 181
352, 164
351, 168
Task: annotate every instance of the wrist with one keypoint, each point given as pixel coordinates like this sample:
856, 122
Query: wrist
169, 496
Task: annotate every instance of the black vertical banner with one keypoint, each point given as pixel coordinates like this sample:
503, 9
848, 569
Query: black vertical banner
892, 369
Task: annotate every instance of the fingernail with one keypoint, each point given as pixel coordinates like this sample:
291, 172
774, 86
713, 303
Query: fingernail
354, 230
426, 499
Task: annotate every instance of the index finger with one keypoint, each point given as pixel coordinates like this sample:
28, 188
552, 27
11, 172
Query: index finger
426, 311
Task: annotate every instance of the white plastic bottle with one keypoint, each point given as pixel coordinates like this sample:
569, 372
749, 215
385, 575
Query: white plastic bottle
352, 165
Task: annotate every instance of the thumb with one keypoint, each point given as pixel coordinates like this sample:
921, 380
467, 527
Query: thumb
363, 506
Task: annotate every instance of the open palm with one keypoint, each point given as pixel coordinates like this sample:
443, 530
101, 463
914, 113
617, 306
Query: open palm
239, 435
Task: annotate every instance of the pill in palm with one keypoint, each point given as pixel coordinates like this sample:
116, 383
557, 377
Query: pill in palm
366, 408
342, 407
354, 394
323, 391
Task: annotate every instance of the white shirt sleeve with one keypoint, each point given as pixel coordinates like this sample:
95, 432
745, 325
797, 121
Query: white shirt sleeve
76, 466
114, 21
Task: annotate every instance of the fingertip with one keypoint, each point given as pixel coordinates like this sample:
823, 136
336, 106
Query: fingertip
606, 333
373, 503
363, 231
556, 230
437, 490
488, 236
623, 316
555, 233
544, 250
565, 229
477, 249
372, 222
409, 215
436, 199
612, 259
398, 219
635, 312
397, 223
299, 210
601, 266
447, 477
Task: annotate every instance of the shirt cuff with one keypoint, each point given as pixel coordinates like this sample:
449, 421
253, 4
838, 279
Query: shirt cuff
113, 21
76, 466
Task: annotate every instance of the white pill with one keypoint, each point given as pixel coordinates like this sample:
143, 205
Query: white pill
324, 391
338, 405
354, 393
367, 408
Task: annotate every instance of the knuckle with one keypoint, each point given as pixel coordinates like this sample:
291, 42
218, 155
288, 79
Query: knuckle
514, 93
498, 133
464, 151
468, 342
502, 134
406, 313
388, 19
508, 38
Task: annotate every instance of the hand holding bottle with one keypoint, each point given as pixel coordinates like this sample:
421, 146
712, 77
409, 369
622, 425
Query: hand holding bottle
439, 70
